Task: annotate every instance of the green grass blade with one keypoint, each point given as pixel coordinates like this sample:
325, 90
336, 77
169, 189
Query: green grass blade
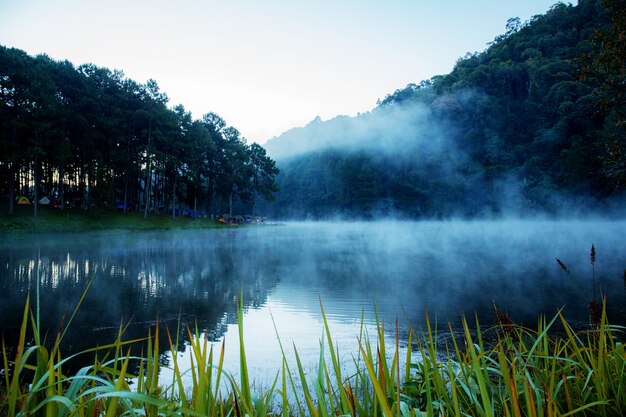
346, 407
243, 366
382, 398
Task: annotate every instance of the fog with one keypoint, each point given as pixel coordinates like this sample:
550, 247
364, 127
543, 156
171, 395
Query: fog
454, 268
402, 267
413, 160
391, 129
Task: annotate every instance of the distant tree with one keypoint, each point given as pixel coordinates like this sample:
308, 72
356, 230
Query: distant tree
176, 151
14, 104
263, 172
214, 162
605, 67
41, 116
200, 147
215, 121
234, 173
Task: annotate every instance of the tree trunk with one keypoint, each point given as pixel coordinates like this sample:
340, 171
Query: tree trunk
49, 181
195, 206
125, 191
89, 189
210, 195
11, 188
83, 184
148, 173
147, 192
12, 172
62, 186
37, 172
174, 199
230, 204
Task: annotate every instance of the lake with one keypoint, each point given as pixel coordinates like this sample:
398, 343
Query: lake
399, 269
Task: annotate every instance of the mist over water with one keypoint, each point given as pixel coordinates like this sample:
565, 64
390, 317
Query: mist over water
398, 268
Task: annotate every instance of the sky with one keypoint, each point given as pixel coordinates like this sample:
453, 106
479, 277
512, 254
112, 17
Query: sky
264, 66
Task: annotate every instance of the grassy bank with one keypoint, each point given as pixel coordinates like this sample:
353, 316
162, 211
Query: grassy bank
50, 219
521, 373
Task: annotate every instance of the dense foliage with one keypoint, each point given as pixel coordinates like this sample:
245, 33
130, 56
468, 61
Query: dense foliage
87, 136
533, 123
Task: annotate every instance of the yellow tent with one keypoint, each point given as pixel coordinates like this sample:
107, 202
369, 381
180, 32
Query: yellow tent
23, 201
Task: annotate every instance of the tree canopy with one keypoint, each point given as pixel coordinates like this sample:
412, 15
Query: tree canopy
88, 136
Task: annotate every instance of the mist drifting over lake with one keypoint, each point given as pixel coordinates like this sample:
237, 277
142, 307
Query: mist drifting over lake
399, 268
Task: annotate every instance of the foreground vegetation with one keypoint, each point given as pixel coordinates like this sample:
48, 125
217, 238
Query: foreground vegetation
521, 372
51, 220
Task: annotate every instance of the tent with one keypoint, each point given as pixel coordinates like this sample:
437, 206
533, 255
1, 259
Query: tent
23, 201
44, 201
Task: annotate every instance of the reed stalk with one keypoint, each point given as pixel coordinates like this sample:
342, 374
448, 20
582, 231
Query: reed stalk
592, 256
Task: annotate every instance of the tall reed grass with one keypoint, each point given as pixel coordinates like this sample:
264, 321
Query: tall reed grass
520, 372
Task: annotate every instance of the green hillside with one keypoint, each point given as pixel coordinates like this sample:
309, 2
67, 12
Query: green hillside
534, 123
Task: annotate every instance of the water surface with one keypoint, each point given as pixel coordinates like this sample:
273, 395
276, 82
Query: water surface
399, 269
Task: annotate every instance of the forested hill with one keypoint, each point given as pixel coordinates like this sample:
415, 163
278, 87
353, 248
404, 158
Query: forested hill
534, 123
88, 136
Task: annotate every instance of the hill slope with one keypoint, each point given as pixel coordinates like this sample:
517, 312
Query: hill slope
514, 128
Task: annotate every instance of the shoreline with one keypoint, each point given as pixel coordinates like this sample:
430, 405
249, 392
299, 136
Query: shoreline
75, 220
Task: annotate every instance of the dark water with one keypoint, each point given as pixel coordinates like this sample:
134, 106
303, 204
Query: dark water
398, 268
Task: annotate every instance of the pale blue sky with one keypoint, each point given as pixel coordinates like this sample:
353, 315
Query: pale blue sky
264, 66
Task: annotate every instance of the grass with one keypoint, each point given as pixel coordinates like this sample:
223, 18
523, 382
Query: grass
51, 220
520, 372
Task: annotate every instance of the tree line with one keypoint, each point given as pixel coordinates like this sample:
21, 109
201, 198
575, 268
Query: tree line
535, 120
88, 136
